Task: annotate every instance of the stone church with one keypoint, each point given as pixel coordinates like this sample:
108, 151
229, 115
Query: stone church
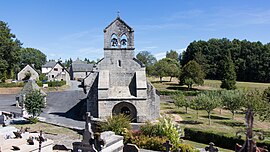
118, 82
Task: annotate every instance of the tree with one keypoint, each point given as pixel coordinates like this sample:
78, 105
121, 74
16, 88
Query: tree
180, 100
207, 102
147, 59
9, 51
172, 55
34, 103
172, 69
196, 105
191, 74
68, 63
232, 100
228, 73
160, 69
32, 56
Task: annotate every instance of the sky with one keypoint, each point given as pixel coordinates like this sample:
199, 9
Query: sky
74, 28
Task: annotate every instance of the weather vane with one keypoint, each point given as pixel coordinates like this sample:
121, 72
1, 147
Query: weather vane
118, 13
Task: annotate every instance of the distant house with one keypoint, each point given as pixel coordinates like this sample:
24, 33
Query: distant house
80, 69
47, 67
58, 73
33, 74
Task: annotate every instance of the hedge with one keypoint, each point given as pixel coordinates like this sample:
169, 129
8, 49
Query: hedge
220, 140
186, 93
52, 83
13, 84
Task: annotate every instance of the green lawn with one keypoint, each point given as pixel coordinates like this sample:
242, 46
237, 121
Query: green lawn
208, 84
221, 122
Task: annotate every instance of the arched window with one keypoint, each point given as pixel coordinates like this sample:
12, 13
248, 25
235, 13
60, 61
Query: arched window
124, 41
114, 41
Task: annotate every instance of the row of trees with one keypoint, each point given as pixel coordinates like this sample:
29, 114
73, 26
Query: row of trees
166, 67
190, 73
249, 59
13, 56
232, 100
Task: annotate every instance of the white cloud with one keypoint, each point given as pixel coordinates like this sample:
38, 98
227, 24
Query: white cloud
160, 55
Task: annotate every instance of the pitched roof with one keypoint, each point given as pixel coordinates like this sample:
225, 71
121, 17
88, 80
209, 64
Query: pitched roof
121, 21
81, 67
30, 67
49, 64
31, 86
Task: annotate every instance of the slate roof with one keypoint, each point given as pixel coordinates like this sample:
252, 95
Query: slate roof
49, 64
82, 67
121, 21
29, 87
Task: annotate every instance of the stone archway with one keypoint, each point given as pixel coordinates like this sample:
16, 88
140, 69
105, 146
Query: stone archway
127, 109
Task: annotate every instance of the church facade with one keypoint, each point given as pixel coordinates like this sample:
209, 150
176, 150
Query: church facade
118, 82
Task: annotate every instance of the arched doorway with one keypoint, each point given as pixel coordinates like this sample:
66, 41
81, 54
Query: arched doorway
127, 109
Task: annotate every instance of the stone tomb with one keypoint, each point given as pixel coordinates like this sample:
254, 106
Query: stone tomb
105, 142
118, 82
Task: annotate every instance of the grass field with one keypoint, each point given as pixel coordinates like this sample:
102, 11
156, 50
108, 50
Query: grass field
208, 85
221, 122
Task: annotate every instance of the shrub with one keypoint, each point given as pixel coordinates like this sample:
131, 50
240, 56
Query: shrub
184, 148
146, 142
164, 127
33, 120
117, 124
55, 83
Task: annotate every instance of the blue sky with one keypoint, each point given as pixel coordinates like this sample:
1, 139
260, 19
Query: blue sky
74, 28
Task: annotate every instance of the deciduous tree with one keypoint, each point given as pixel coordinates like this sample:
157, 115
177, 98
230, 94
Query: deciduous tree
191, 74
147, 59
34, 103
232, 100
172, 55
32, 56
180, 100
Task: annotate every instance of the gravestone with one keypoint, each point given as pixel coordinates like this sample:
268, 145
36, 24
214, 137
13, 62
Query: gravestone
2, 119
105, 142
131, 148
211, 147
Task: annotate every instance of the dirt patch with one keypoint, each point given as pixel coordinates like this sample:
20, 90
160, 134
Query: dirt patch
13, 90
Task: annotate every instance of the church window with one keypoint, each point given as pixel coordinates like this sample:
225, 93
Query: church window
114, 41
123, 41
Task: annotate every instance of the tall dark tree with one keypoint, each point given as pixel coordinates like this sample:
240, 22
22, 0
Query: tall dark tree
9, 51
172, 55
32, 56
228, 80
147, 59
191, 74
